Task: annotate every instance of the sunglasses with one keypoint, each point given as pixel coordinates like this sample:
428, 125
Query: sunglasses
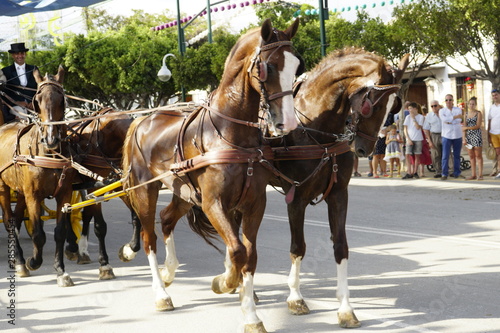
495, 91
433, 106
448, 100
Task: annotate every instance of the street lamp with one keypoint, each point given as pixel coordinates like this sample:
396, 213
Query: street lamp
164, 74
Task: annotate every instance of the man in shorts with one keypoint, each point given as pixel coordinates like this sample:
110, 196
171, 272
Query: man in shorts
494, 124
413, 133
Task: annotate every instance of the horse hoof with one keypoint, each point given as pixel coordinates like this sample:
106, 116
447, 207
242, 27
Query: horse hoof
166, 277
255, 328
106, 273
348, 320
219, 285
298, 307
164, 305
83, 259
70, 255
22, 271
30, 264
65, 280
126, 254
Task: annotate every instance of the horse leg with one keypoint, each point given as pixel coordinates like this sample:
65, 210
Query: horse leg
83, 256
9, 222
337, 213
38, 237
60, 234
169, 216
100, 230
143, 200
296, 216
78, 250
128, 251
250, 227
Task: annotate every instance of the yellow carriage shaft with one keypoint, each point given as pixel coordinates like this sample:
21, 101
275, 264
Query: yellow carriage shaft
95, 197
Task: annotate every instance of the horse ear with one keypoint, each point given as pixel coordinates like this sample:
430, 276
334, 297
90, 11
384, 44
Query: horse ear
292, 30
266, 31
37, 76
403, 63
60, 74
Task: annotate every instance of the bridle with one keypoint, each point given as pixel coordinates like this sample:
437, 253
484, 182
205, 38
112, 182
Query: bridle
36, 120
367, 106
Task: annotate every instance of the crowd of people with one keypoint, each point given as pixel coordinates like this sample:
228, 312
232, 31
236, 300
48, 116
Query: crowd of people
436, 138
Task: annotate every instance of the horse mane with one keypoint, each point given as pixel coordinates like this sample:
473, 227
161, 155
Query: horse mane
238, 55
340, 55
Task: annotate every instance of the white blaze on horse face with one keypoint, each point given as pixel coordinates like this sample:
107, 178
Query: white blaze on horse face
390, 102
287, 76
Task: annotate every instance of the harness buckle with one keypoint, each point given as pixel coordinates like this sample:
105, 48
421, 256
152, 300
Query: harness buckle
250, 171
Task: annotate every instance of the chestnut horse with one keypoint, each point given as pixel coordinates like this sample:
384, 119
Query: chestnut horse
316, 160
211, 159
31, 164
347, 83
97, 144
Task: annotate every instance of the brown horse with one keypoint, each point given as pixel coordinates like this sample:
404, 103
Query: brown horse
347, 83
211, 158
30, 164
97, 143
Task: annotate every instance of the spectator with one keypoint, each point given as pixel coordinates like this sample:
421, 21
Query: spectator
21, 84
432, 130
414, 137
355, 167
494, 125
451, 134
473, 139
425, 157
394, 152
379, 154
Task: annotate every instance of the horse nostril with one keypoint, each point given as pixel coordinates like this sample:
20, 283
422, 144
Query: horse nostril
361, 152
280, 126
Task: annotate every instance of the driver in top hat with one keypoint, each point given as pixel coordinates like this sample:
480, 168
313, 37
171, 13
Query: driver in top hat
18, 76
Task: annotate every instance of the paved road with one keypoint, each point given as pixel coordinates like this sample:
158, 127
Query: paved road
424, 258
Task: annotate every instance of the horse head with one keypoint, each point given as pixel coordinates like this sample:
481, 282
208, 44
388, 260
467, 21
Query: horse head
274, 71
258, 75
49, 105
373, 97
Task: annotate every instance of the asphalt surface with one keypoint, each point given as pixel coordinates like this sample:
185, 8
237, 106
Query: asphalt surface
424, 257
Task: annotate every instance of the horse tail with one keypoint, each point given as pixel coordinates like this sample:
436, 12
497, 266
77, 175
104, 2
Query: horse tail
200, 224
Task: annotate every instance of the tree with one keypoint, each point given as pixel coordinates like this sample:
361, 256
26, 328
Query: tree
460, 29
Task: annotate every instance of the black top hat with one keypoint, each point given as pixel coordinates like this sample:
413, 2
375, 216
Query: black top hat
18, 47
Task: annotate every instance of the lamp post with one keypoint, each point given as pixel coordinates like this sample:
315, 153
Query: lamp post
323, 15
164, 74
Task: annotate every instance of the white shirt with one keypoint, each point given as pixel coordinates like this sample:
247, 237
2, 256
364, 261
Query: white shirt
451, 128
21, 72
414, 133
432, 122
494, 116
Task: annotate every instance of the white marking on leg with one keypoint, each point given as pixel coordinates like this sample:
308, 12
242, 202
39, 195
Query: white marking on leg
128, 253
247, 301
287, 75
83, 245
158, 286
294, 281
171, 262
343, 288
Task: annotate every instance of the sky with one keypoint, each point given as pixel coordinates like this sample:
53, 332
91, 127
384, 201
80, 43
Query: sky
13, 30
